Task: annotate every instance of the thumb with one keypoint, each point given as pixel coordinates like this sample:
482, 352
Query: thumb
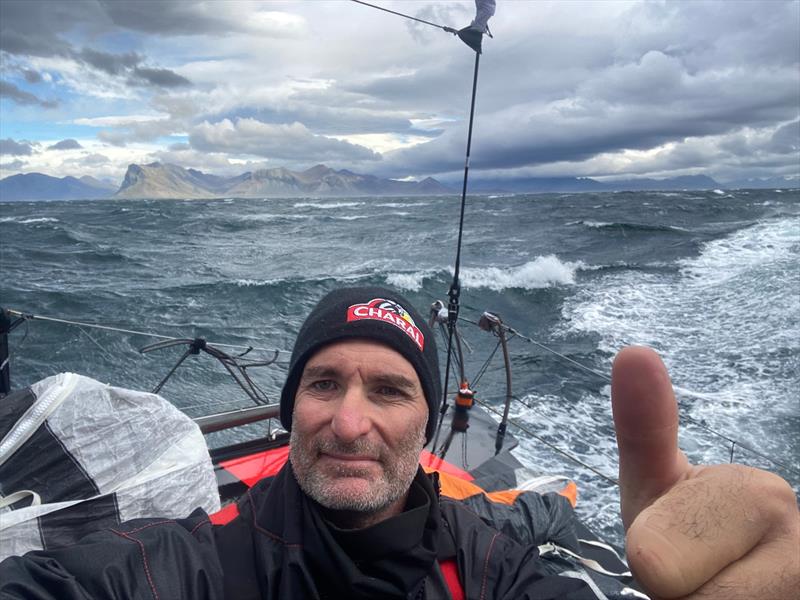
646, 422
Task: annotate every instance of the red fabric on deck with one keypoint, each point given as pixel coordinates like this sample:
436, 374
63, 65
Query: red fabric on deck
249, 469
253, 467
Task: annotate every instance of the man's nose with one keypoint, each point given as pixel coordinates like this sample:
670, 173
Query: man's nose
351, 421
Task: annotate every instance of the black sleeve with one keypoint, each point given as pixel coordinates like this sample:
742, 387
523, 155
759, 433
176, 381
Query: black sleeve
144, 559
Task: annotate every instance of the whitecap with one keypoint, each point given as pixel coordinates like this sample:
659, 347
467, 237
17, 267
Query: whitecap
407, 281
327, 205
254, 282
595, 224
543, 272
28, 221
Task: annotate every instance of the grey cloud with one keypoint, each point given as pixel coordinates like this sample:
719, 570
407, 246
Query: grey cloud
21, 148
94, 160
31, 44
713, 34
786, 140
32, 76
160, 77
12, 166
328, 120
19, 96
636, 102
177, 106
447, 14
279, 142
525, 136
115, 138
164, 16
130, 64
68, 144
113, 64
145, 131
33, 28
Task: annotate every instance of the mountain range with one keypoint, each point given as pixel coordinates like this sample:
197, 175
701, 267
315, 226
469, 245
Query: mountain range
159, 180
36, 186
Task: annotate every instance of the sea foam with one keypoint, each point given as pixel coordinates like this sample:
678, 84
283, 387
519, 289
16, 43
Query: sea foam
724, 323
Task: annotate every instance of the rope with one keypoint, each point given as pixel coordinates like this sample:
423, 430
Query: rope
32, 317
399, 14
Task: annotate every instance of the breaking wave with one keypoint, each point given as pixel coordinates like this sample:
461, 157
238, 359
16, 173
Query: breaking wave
628, 226
542, 272
328, 205
410, 281
28, 221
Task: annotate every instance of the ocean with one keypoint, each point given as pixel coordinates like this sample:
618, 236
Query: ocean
709, 279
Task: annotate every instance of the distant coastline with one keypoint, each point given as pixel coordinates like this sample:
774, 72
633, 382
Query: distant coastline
168, 181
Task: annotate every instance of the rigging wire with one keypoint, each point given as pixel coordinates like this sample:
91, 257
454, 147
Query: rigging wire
32, 317
399, 14
550, 445
734, 443
455, 287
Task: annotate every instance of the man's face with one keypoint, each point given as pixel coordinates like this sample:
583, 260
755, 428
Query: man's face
358, 427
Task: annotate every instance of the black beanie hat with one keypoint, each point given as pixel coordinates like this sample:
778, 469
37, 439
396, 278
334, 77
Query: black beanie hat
372, 313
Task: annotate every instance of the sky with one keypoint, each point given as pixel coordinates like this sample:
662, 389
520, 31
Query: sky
608, 90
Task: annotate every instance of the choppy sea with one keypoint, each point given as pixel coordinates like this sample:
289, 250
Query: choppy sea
709, 279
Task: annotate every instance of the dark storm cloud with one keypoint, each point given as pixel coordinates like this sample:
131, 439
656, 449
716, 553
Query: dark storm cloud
130, 64
167, 17
113, 64
68, 144
9, 90
21, 148
682, 71
160, 77
36, 29
581, 129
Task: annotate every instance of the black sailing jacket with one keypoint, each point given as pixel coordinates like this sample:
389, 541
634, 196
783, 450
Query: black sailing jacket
280, 547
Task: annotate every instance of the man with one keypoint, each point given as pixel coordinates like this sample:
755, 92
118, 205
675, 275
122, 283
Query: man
351, 515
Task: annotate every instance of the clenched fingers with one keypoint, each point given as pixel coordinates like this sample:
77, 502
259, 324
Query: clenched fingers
727, 531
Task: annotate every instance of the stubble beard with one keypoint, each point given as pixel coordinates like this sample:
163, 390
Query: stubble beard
398, 470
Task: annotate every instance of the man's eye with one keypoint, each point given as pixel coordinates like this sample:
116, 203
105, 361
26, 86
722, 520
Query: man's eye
323, 385
387, 390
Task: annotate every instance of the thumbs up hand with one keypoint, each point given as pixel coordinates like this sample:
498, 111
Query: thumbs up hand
723, 531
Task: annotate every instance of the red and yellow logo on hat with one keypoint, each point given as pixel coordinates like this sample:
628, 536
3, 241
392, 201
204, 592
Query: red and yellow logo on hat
388, 311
